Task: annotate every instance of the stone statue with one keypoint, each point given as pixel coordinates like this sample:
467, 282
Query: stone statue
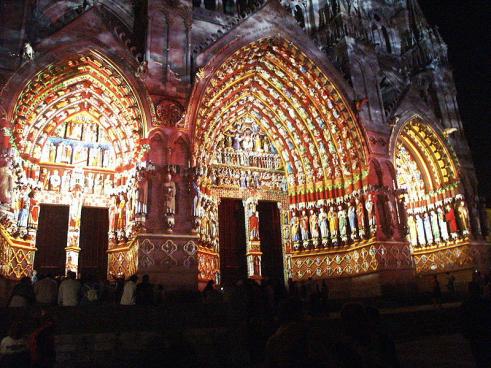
295, 230
323, 225
372, 218
304, 227
333, 224
254, 226
54, 181
343, 224
6, 184
33, 210
434, 226
22, 220
28, 52
360, 217
413, 231
352, 220
463, 218
451, 221
421, 230
169, 189
428, 230
314, 228
121, 225
442, 223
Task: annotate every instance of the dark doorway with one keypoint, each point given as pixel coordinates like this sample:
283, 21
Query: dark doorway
270, 234
233, 263
94, 226
51, 240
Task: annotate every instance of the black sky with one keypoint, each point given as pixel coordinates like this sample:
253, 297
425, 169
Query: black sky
465, 27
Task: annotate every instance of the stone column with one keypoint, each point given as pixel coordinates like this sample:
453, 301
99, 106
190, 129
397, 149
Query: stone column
73, 238
253, 250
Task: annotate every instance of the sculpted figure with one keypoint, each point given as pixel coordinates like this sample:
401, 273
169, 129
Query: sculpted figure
24, 202
434, 226
6, 184
451, 221
463, 218
33, 210
294, 228
372, 218
413, 231
352, 220
333, 224
254, 226
421, 230
442, 223
428, 230
323, 225
314, 228
343, 223
304, 227
54, 181
360, 217
121, 212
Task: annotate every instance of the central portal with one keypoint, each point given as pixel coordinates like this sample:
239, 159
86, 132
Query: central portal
232, 233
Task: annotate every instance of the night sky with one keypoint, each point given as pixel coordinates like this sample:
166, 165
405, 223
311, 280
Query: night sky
465, 27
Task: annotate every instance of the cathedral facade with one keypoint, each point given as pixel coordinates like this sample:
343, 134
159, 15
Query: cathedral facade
224, 139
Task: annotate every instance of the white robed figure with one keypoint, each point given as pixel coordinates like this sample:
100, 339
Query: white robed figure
421, 230
428, 231
443, 224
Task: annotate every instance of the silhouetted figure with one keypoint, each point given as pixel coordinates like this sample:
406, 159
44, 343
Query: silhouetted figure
144, 292
450, 284
69, 291
476, 323
42, 343
437, 292
90, 291
129, 291
13, 349
22, 294
46, 290
210, 294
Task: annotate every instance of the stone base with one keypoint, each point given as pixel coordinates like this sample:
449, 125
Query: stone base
169, 260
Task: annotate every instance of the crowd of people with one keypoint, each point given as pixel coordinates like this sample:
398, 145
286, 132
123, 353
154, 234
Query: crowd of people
281, 322
45, 290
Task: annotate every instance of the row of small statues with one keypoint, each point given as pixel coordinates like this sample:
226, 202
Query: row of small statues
92, 183
338, 224
438, 225
77, 154
263, 160
248, 179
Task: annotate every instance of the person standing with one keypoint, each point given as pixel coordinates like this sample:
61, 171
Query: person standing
68, 293
22, 294
46, 290
129, 291
144, 292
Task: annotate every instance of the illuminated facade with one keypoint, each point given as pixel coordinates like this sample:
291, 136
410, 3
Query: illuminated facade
217, 136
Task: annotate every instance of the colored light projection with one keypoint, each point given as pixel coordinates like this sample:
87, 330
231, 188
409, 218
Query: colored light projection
76, 140
297, 107
426, 171
272, 126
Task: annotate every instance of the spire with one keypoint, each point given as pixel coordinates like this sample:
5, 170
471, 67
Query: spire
417, 20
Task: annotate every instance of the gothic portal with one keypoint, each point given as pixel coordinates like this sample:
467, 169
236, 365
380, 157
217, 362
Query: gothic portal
214, 141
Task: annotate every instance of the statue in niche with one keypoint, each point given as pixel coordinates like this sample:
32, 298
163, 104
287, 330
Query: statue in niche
401, 209
75, 208
442, 223
421, 229
6, 183
142, 193
89, 183
94, 157
343, 223
65, 181
169, 191
323, 225
254, 226
372, 217
113, 214
108, 185
352, 220
428, 230
66, 156
55, 181
332, 217
314, 227
451, 221
80, 155
247, 142
304, 227
98, 184
360, 217
121, 225
434, 226
295, 229
413, 231
463, 217
51, 153
44, 178
33, 210
24, 201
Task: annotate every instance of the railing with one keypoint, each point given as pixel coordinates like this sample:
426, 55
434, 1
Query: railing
16, 256
123, 261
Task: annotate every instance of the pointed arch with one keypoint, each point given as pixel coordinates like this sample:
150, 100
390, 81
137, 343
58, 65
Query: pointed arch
295, 103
